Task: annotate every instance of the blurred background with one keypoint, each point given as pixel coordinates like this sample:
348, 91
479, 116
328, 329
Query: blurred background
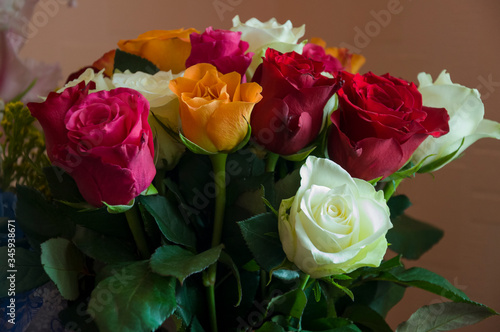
402, 37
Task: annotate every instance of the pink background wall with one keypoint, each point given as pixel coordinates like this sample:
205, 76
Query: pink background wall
457, 35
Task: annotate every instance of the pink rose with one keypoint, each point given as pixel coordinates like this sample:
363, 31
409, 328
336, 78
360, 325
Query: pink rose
221, 48
102, 139
316, 52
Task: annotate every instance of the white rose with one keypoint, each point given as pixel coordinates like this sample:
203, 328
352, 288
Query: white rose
263, 35
164, 118
101, 82
466, 111
335, 223
153, 87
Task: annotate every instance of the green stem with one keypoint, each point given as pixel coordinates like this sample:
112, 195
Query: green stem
390, 188
304, 282
272, 159
263, 281
219, 167
211, 307
134, 222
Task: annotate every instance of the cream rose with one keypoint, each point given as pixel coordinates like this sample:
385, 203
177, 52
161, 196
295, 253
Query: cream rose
164, 116
466, 122
335, 223
101, 82
263, 35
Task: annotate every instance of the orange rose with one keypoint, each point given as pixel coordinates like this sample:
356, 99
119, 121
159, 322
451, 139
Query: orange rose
214, 108
351, 62
167, 49
106, 62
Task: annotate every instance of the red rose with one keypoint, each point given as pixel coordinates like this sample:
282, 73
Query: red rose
290, 115
379, 124
221, 48
102, 139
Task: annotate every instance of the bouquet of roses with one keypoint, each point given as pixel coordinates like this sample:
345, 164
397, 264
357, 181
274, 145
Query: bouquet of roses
239, 180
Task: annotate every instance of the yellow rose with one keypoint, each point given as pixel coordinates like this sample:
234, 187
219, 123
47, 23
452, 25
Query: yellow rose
214, 108
167, 49
351, 62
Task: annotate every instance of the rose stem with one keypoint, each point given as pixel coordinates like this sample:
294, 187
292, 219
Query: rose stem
134, 222
219, 167
272, 159
304, 282
390, 188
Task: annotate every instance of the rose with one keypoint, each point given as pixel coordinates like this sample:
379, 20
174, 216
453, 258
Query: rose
221, 48
350, 62
102, 139
166, 49
466, 112
263, 35
316, 52
164, 116
290, 115
106, 62
155, 88
214, 108
379, 124
335, 223
101, 82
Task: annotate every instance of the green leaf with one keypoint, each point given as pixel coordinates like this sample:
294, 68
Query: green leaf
300, 155
257, 232
151, 190
228, 261
190, 298
364, 315
133, 299
180, 263
344, 289
62, 186
29, 271
115, 209
169, 220
63, 262
102, 222
39, 219
134, 63
290, 304
287, 187
333, 324
427, 280
74, 317
270, 327
397, 205
285, 271
102, 247
193, 147
381, 296
441, 161
412, 238
373, 182
407, 171
445, 316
